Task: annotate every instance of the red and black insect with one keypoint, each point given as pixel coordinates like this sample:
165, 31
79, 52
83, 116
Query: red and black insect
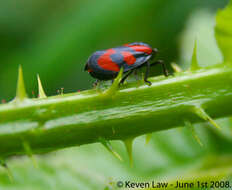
105, 64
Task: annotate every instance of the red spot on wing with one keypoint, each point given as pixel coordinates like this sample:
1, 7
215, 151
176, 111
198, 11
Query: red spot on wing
128, 57
140, 48
105, 61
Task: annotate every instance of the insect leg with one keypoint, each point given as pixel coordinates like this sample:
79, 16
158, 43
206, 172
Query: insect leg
147, 73
165, 70
96, 83
125, 77
135, 71
136, 74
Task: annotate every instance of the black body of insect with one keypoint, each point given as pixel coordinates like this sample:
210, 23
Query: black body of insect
105, 64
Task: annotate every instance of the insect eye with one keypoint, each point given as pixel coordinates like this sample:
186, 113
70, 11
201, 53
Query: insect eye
86, 67
155, 50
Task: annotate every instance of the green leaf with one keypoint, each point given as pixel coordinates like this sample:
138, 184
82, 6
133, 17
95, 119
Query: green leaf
223, 32
91, 167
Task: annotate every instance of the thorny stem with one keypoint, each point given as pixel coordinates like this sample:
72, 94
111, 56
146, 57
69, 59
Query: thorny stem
74, 119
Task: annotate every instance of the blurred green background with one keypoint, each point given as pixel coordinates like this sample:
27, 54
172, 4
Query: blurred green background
55, 38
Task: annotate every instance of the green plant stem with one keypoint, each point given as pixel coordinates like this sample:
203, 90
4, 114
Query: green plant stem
80, 118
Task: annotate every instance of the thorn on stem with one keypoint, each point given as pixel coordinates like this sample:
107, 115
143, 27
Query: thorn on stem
194, 63
114, 87
9, 174
129, 147
29, 153
176, 67
20, 92
202, 114
109, 147
148, 137
194, 134
41, 93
